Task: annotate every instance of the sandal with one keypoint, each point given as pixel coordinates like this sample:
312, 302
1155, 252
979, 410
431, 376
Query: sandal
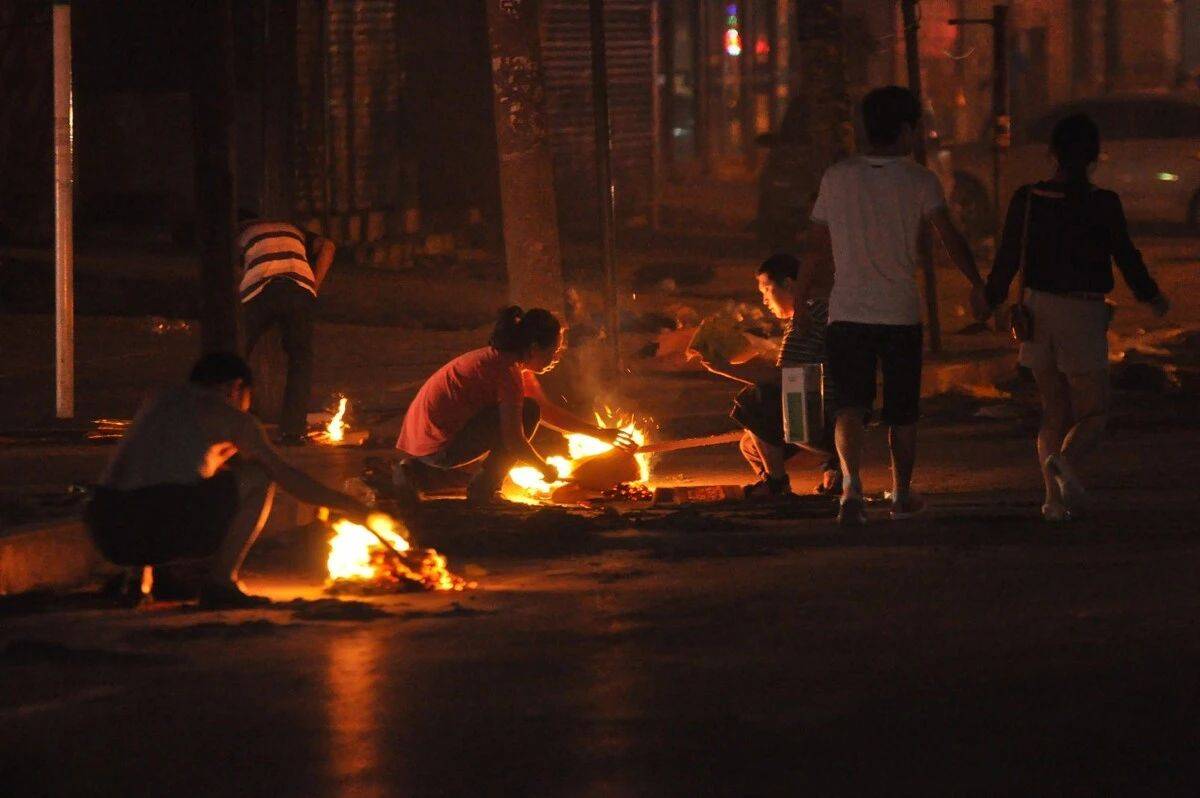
829, 485
768, 488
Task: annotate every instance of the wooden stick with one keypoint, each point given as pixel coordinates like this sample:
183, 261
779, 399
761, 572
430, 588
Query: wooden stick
692, 443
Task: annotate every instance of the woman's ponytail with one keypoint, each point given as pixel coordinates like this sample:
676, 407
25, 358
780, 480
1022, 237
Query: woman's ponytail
517, 330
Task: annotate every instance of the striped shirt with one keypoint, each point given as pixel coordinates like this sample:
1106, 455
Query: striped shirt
807, 347
272, 250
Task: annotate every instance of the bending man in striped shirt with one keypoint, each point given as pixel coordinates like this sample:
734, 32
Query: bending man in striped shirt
283, 267
758, 408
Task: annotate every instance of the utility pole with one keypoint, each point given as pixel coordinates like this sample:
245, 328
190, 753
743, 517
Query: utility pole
216, 157
64, 191
531, 245
821, 67
925, 245
1001, 121
605, 191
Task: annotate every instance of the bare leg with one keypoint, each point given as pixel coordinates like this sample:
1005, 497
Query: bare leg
255, 494
848, 436
903, 442
1056, 414
1089, 397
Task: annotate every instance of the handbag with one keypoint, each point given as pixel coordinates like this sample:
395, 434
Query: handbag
1020, 319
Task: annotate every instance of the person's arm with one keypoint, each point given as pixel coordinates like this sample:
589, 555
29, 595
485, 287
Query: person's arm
960, 254
1129, 260
752, 372
557, 417
512, 432
323, 252
253, 445
1008, 256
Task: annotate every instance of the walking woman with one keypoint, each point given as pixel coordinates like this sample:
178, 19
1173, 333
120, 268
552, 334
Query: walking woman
485, 406
1060, 240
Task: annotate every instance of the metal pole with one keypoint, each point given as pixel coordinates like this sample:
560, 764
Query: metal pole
913, 59
324, 42
657, 94
1001, 120
605, 193
64, 186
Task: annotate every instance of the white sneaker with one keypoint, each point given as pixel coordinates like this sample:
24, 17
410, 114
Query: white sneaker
1055, 513
1069, 485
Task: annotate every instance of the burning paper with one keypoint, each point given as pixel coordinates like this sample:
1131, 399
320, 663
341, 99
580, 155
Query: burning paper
526, 483
360, 558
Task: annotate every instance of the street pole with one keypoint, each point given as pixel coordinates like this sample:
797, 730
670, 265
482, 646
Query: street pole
215, 148
1002, 134
605, 192
913, 59
1001, 121
64, 186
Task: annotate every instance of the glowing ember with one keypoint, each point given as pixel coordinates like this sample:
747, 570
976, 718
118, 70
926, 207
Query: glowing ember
357, 557
527, 485
335, 430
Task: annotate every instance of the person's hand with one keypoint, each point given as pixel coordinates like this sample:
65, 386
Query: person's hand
549, 473
979, 303
1160, 305
616, 437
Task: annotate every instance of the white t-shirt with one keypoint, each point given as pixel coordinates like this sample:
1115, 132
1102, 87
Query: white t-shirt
874, 207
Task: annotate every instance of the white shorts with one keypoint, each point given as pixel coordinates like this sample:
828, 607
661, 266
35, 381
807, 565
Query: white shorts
1069, 334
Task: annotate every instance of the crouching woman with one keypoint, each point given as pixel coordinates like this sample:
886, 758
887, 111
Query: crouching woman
483, 407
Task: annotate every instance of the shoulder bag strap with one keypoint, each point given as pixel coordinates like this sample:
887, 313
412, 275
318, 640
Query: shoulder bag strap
1021, 257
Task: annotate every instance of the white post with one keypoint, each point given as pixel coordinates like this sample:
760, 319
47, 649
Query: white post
64, 184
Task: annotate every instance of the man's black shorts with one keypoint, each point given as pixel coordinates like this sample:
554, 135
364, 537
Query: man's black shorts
161, 523
854, 352
759, 409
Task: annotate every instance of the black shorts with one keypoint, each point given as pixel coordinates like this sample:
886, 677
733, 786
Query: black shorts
161, 523
855, 352
759, 409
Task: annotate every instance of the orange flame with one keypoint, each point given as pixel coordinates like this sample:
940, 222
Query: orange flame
356, 555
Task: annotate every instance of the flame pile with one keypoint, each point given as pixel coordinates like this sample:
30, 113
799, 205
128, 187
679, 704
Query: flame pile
357, 557
335, 430
529, 486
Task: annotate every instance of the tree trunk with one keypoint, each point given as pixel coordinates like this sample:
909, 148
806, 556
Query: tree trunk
527, 200
213, 118
821, 58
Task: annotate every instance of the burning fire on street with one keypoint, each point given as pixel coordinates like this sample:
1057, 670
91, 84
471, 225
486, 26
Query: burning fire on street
378, 558
526, 485
336, 431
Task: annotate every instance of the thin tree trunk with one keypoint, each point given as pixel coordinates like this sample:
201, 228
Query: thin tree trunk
527, 199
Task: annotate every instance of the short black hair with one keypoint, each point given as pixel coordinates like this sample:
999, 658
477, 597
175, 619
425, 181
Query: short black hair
1075, 143
245, 215
779, 267
219, 368
886, 110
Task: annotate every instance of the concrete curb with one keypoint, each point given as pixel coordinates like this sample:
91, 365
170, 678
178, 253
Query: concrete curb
54, 555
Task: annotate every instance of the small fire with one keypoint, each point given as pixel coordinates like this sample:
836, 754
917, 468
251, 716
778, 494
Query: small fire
358, 557
532, 489
335, 430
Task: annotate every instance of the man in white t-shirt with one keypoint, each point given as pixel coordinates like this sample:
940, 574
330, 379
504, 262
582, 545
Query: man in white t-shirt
868, 220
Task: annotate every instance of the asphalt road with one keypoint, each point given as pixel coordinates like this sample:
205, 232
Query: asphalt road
740, 653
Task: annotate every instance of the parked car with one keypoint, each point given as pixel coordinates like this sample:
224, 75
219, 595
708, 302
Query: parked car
1150, 156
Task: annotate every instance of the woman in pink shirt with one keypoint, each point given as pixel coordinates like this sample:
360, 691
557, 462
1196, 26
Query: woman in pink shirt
486, 404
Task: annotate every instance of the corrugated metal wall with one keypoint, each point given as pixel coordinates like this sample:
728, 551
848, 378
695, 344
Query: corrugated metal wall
363, 81
567, 54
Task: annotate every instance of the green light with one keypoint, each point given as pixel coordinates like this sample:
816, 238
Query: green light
1168, 177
